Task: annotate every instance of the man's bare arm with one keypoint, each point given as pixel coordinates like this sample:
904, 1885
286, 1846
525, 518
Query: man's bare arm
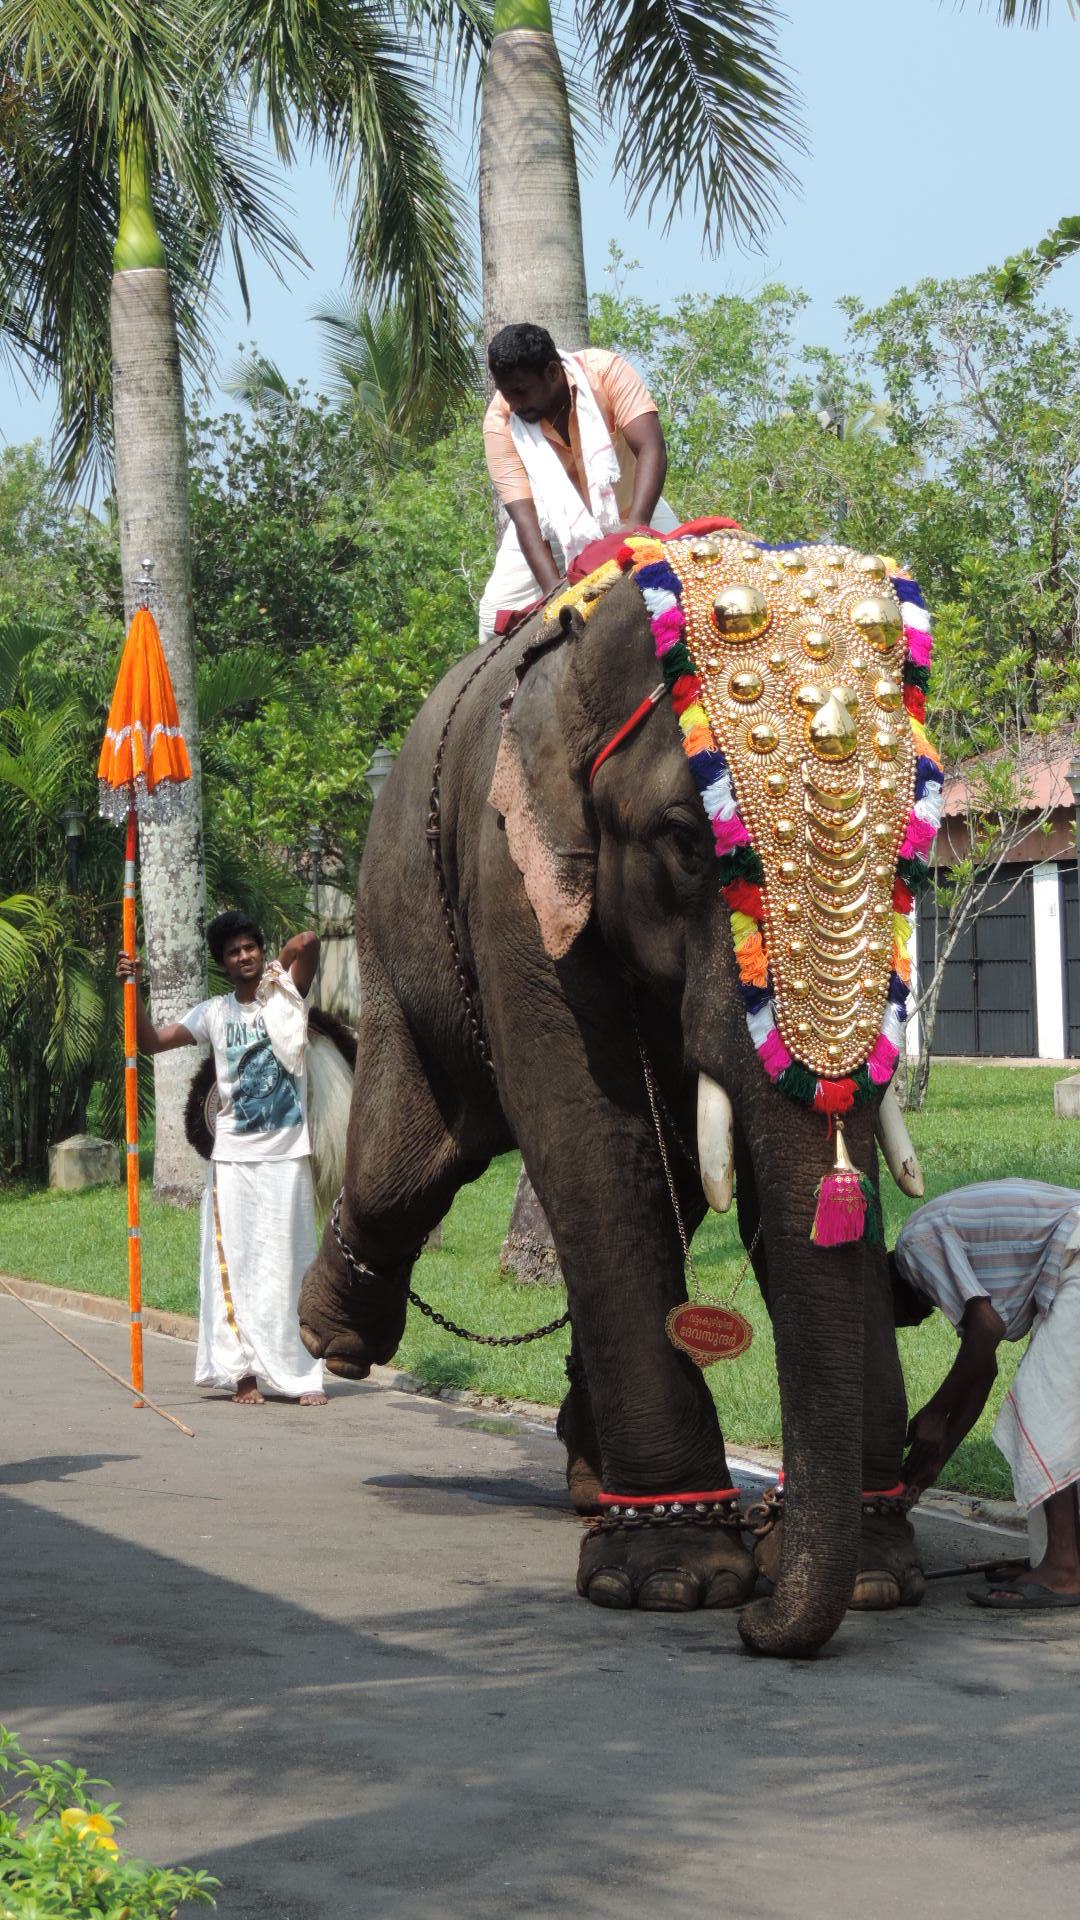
152, 1039
532, 543
645, 439
300, 957
947, 1418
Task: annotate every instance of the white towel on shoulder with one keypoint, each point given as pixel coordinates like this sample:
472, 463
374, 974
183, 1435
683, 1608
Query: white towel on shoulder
560, 509
284, 1010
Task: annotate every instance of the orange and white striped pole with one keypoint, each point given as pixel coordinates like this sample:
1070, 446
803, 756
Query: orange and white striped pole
131, 1114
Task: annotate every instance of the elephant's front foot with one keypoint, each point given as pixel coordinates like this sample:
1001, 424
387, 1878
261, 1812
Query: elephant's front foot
351, 1320
889, 1572
673, 1568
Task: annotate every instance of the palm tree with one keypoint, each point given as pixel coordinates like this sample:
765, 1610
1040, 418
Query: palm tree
130, 131
702, 104
369, 373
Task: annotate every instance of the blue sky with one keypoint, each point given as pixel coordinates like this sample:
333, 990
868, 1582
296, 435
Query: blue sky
938, 143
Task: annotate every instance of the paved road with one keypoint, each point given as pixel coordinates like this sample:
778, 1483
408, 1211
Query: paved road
335, 1656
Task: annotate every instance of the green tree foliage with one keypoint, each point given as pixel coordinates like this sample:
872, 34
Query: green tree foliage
945, 432
361, 584
60, 635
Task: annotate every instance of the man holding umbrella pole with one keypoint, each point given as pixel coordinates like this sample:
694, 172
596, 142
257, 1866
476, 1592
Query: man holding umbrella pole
258, 1211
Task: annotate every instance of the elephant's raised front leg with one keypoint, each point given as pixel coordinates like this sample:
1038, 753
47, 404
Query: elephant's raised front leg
403, 1167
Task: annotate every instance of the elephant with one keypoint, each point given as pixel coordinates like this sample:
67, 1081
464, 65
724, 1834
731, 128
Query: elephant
541, 926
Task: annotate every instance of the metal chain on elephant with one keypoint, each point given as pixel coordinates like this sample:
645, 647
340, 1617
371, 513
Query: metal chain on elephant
476, 1034
433, 833
656, 1103
362, 1274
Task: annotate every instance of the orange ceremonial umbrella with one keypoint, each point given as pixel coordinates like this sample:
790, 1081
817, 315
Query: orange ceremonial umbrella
142, 774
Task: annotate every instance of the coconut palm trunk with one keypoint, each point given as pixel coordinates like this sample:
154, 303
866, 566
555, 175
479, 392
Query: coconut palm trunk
152, 507
534, 269
530, 209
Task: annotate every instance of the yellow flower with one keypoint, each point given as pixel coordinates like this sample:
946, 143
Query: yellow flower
89, 1826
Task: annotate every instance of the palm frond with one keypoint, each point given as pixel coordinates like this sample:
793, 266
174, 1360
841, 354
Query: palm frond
459, 33
702, 103
27, 928
78, 1014
1030, 13
258, 382
344, 80
18, 640
243, 678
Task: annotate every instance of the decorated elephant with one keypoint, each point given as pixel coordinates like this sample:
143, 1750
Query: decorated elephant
642, 875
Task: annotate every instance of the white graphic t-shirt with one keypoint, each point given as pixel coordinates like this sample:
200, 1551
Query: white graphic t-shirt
263, 1110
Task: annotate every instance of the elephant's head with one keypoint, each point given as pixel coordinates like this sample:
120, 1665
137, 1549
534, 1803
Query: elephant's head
741, 860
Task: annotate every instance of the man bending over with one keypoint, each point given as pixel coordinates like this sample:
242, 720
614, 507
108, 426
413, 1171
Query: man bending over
999, 1259
575, 450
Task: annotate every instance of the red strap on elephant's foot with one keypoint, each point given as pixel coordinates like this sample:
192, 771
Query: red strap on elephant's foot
715, 1507
710, 1498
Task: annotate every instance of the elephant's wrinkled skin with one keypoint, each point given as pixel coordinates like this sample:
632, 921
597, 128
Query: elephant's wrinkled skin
426, 1118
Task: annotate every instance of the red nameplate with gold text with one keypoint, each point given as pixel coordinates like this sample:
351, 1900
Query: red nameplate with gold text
708, 1333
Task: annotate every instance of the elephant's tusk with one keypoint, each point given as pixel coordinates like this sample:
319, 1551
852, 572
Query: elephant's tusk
895, 1142
716, 1143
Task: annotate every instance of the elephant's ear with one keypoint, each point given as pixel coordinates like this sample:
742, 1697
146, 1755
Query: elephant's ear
541, 805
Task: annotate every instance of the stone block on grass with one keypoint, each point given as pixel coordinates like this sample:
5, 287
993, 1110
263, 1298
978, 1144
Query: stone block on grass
1067, 1098
83, 1161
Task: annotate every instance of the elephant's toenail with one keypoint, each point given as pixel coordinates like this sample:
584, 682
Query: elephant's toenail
725, 1590
610, 1590
671, 1592
875, 1593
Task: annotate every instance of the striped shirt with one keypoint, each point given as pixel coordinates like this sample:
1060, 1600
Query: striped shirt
1004, 1241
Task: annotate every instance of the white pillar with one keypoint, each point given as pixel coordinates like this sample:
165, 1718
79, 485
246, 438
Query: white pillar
1049, 978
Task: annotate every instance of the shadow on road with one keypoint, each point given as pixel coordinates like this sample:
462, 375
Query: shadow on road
375, 1752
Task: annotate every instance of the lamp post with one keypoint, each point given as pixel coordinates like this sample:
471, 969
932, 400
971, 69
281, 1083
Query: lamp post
74, 821
381, 762
1073, 1014
315, 841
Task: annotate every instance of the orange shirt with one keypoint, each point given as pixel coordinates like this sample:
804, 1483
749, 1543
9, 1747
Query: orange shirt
621, 395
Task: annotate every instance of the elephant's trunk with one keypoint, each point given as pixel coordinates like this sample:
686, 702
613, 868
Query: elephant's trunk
816, 1303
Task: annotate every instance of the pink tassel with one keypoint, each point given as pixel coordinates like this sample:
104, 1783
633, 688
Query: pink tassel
668, 628
730, 833
918, 837
841, 1210
919, 646
841, 1202
773, 1054
881, 1061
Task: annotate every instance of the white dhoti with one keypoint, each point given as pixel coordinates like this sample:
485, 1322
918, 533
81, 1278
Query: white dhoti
1038, 1428
257, 1238
513, 582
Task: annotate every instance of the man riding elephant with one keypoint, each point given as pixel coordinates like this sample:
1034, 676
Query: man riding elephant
663, 834
575, 449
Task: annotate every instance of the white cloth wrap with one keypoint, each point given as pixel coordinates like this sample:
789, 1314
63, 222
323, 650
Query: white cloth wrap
284, 1010
267, 1214
1038, 1427
563, 515
513, 582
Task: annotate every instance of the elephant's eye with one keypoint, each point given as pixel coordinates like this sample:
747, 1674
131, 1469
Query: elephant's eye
684, 840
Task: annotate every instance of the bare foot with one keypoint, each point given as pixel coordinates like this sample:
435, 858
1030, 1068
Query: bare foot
247, 1393
312, 1400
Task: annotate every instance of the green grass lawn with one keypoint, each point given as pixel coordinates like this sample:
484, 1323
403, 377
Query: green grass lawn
981, 1123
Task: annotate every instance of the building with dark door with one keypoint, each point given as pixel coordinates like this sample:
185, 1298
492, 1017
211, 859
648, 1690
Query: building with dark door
1012, 982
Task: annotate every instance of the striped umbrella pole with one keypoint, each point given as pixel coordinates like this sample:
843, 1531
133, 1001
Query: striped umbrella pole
131, 1114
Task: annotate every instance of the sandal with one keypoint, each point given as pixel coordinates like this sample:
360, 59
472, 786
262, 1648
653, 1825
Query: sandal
1025, 1596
